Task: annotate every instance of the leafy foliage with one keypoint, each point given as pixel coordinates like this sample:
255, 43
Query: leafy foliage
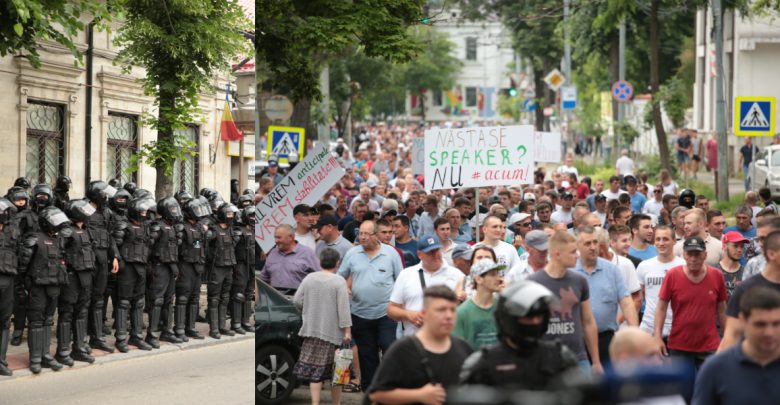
181, 44
296, 36
24, 23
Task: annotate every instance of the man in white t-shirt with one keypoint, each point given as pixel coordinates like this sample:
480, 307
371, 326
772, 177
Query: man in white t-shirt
567, 166
406, 300
614, 191
493, 228
563, 215
624, 164
651, 274
655, 204
303, 215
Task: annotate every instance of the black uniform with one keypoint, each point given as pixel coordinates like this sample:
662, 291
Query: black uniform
43, 258
105, 250
242, 290
10, 239
75, 297
192, 253
26, 221
161, 281
223, 251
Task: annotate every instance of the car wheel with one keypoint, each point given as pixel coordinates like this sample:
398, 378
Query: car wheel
274, 378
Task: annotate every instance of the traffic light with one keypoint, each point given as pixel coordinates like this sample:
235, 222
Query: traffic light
512, 92
512, 87
426, 19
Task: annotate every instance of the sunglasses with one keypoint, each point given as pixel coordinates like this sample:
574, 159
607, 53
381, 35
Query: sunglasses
657, 191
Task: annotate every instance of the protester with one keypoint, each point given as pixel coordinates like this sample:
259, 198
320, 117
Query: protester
330, 237
289, 262
475, 322
533, 260
694, 225
493, 228
716, 223
324, 301
651, 273
642, 237
733, 246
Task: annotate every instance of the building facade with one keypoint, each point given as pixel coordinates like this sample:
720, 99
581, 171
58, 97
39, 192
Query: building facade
485, 50
61, 119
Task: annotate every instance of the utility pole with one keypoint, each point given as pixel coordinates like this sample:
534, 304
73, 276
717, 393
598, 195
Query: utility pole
621, 106
720, 105
323, 131
566, 66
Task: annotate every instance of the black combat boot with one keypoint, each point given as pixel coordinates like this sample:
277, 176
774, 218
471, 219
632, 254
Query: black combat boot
64, 335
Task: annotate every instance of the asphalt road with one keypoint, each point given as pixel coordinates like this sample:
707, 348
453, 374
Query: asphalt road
302, 396
219, 374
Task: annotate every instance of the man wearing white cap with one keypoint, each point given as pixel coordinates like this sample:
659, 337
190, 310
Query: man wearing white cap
533, 260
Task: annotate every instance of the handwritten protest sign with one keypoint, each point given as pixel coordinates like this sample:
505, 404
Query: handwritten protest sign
305, 184
479, 157
547, 147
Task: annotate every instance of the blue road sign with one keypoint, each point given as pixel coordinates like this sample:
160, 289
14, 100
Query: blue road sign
529, 105
569, 97
622, 91
754, 116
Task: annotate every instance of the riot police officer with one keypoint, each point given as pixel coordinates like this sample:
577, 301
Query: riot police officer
131, 280
106, 254
130, 187
42, 197
183, 197
23, 183
163, 272
118, 210
242, 290
245, 200
74, 297
192, 259
522, 360
61, 188
43, 259
10, 238
220, 276
25, 221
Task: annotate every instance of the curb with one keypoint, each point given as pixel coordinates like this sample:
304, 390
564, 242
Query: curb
134, 354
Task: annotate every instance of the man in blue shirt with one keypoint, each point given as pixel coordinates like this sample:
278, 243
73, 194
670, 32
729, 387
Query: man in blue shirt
373, 268
606, 283
746, 373
638, 199
642, 237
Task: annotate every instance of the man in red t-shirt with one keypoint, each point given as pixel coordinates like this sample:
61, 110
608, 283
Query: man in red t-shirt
697, 293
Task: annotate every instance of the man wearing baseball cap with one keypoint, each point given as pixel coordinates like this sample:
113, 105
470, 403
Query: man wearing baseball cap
303, 225
533, 260
330, 237
475, 322
406, 300
729, 265
693, 290
273, 170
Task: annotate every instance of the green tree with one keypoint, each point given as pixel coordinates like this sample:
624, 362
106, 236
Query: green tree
434, 69
182, 45
24, 23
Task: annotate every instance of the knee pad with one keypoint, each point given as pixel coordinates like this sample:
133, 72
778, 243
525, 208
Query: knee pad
48, 321
213, 302
98, 303
124, 304
158, 302
140, 303
238, 297
182, 300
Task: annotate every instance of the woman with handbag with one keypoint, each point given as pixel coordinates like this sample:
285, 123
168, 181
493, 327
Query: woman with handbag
324, 300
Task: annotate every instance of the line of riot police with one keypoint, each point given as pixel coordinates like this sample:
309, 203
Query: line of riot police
70, 257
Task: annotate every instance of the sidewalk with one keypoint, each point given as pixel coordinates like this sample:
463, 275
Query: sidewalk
19, 357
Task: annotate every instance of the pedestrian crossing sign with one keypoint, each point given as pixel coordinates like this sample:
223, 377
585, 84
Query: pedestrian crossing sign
754, 116
285, 141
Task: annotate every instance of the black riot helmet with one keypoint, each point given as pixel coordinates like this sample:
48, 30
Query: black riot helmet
43, 196
23, 183
245, 201
52, 220
687, 198
227, 213
523, 299
248, 215
120, 201
183, 197
79, 210
138, 210
98, 191
63, 184
215, 202
196, 209
7, 209
115, 183
249, 191
130, 187
152, 214
19, 197
169, 209
208, 192
141, 193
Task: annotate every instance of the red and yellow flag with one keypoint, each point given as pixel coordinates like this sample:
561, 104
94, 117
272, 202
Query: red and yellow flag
228, 128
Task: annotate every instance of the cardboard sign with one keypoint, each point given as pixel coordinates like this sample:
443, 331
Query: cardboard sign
547, 147
479, 157
305, 184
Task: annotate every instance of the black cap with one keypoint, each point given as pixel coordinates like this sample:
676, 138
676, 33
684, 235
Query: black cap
694, 244
601, 197
303, 209
629, 178
566, 195
326, 220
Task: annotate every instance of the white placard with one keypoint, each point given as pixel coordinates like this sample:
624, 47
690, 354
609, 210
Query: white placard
305, 184
479, 157
418, 156
547, 147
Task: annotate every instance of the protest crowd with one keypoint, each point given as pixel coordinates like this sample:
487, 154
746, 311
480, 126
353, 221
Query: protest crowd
535, 286
63, 259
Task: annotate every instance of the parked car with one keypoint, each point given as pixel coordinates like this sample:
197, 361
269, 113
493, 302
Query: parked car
277, 345
765, 169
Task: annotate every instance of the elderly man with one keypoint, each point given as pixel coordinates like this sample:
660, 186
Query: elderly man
454, 217
694, 224
605, 282
365, 196
744, 226
287, 264
330, 237
373, 267
534, 258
